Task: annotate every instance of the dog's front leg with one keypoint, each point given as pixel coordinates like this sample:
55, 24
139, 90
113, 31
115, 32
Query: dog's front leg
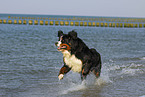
65, 69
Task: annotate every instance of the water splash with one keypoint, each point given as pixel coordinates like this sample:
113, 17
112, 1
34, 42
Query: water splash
72, 82
100, 82
75, 87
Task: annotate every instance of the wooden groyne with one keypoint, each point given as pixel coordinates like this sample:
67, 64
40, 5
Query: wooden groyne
90, 22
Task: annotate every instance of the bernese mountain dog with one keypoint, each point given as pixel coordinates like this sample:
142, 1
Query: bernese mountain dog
77, 56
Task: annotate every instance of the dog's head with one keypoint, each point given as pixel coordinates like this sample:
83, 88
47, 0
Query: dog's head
65, 41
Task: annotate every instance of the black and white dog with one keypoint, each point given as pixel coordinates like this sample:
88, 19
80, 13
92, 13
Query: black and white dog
77, 56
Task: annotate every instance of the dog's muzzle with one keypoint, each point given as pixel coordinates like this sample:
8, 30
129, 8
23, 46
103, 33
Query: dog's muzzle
62, 46
58, 43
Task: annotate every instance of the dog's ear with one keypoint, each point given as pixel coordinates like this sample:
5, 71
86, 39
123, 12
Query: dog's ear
73, 34
60, 33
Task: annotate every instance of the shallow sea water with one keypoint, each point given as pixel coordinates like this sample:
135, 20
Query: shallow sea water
30, 62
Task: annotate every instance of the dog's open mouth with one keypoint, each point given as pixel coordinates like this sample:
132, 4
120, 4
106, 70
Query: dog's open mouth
63, 47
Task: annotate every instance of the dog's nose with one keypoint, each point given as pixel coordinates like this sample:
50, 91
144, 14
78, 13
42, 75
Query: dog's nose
58, 43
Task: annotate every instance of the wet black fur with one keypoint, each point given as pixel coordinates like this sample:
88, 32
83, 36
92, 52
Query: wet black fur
90, 58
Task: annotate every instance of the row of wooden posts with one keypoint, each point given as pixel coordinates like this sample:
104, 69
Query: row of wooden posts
83, 19
73, 23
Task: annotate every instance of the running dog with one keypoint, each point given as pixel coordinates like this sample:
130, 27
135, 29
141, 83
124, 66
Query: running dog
77, 56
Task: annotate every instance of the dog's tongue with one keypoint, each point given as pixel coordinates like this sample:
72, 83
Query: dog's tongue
61, 47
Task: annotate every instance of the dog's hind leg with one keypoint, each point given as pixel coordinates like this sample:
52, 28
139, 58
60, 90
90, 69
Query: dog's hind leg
85, 71
97, 74
83, 77
97, 71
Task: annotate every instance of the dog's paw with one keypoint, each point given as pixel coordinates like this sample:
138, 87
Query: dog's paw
60, 76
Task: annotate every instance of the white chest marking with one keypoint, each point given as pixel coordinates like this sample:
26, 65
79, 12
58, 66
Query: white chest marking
74, 63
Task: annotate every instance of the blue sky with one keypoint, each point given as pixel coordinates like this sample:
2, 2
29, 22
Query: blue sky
119, 8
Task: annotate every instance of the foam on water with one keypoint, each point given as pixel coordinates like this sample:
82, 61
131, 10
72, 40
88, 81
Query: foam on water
142, 96
143, 58
133, 69
129, 71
